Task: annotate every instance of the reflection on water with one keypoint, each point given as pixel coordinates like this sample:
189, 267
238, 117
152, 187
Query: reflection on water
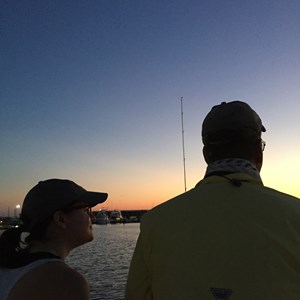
105, 261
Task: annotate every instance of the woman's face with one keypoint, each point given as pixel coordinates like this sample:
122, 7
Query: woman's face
79, 225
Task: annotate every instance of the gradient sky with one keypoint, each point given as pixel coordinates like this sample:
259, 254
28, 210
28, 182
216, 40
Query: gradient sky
90, 91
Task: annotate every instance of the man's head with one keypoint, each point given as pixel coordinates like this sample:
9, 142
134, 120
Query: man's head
232, 130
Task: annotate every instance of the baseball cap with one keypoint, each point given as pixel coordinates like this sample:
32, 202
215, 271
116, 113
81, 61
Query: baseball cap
52, 195
231, 121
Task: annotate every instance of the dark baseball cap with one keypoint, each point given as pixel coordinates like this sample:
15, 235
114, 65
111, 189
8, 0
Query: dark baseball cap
55, 194
231, 121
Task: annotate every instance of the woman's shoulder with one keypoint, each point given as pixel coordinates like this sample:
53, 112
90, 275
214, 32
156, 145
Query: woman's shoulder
57, 269
55, 280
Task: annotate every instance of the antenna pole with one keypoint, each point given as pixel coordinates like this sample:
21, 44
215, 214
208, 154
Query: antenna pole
183, 151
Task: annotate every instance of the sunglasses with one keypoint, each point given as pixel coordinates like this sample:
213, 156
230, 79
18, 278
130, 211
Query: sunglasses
87, 209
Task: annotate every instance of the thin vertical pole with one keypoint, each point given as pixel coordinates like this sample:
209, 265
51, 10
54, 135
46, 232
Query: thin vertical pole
183, 151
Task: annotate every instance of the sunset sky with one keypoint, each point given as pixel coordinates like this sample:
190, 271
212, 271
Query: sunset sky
90, 91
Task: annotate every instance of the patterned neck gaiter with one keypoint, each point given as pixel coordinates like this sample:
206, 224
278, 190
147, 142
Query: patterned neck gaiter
232, 165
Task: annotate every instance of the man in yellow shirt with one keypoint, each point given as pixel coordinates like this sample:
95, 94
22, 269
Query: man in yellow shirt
230, 237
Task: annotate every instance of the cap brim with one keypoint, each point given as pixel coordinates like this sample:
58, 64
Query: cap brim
94, 198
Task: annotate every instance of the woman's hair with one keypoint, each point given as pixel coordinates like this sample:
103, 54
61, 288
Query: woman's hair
11, 253
13, 249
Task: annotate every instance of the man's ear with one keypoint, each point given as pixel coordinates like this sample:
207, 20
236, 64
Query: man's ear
206, 154
257, 157
59, 219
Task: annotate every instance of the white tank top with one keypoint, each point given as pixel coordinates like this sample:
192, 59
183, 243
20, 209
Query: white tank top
9, 277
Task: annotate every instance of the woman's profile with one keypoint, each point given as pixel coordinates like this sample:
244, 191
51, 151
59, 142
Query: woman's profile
56, 218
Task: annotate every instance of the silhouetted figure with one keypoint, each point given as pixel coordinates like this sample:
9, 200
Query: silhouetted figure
230, 237
56, 216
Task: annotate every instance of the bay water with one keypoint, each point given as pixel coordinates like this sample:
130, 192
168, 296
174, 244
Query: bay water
105, 261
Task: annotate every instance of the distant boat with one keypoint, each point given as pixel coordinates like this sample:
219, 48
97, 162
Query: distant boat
116, 217
101, 217
133, 219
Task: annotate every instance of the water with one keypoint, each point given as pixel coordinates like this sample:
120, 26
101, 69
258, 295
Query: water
105, 261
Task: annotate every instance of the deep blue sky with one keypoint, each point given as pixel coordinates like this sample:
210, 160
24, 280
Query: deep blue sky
90, 90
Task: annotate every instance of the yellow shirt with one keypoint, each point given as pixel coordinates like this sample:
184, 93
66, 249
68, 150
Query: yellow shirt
219, 241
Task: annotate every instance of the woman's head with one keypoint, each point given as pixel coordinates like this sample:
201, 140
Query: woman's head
52, 195
53, 209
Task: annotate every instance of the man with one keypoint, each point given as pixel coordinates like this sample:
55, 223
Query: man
230, 237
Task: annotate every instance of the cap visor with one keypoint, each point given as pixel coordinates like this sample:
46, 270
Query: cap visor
94, 198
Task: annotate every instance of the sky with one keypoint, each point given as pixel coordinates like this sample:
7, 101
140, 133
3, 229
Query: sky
91, 91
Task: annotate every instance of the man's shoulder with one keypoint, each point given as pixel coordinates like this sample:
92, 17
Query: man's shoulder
170, 207
203, 192
271, 192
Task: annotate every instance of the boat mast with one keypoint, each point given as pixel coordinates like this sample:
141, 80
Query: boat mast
183, 151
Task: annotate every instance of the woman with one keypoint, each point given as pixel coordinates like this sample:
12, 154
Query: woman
56, 218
